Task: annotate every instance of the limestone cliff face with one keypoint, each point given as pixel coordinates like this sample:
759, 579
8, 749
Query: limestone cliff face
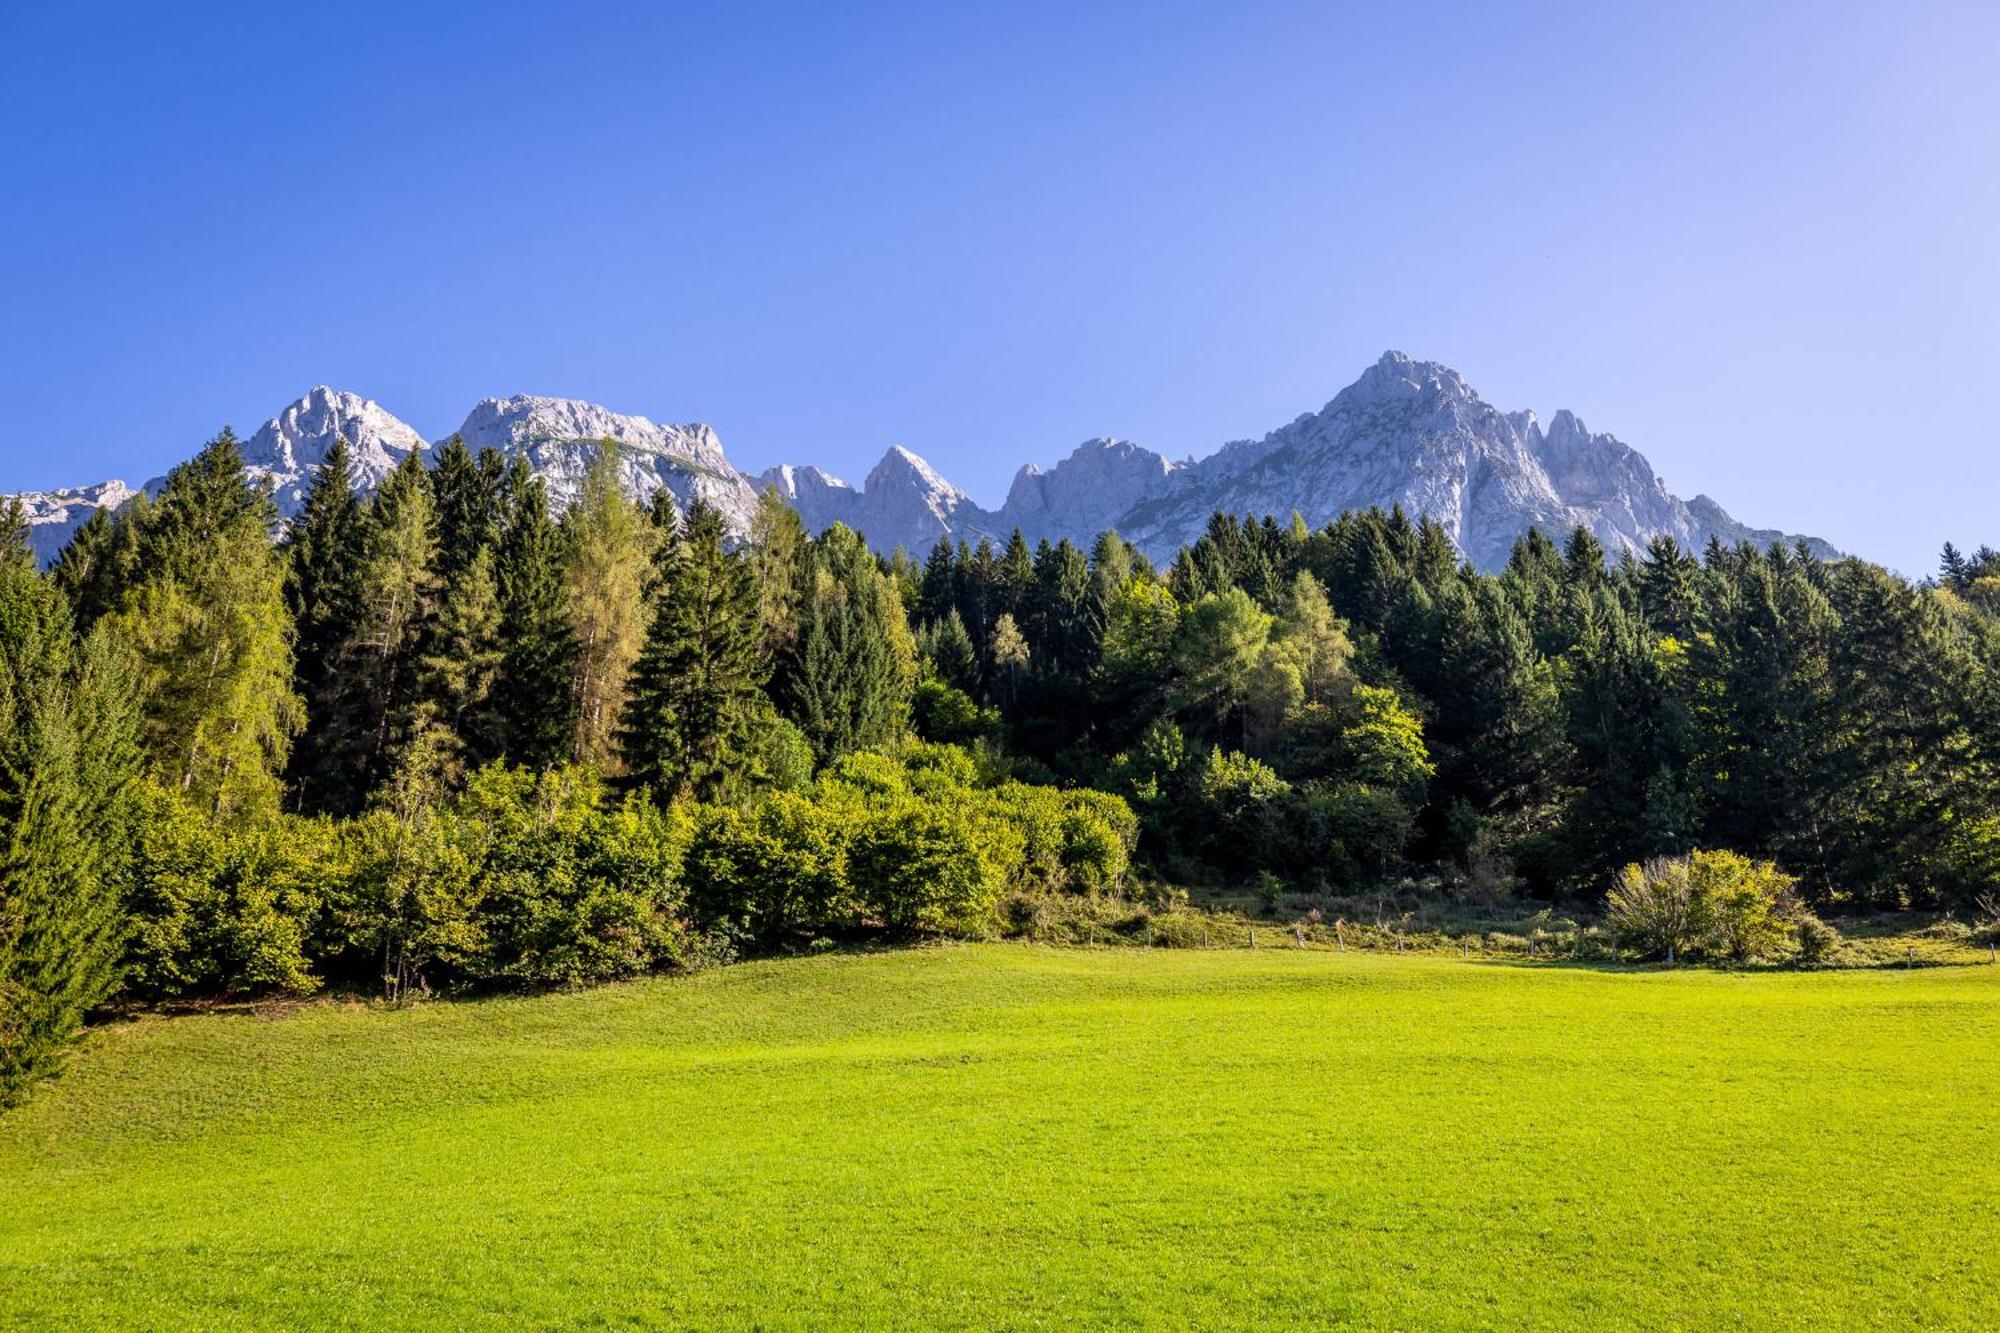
560, 436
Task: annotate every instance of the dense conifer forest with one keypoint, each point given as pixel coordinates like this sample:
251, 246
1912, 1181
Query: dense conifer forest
440, 737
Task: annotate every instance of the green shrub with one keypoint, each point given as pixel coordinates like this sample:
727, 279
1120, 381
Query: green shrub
225, 910
1178, 930
774, 872
942, 712
1706, 904
591, 897
1817, 941
926, 868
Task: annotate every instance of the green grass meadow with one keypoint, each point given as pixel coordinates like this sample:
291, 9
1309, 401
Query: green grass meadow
1005, 1135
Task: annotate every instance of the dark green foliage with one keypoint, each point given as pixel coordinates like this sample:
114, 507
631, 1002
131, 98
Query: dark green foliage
322, 550
68, 754
697, 689
847, 679
533, 714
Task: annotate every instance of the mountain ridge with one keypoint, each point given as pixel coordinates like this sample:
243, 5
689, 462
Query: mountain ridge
1405, 433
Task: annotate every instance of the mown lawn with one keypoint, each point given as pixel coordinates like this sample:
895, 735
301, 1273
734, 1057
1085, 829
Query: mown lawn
1007, 1135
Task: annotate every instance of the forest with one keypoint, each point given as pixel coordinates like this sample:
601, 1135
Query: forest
443, 738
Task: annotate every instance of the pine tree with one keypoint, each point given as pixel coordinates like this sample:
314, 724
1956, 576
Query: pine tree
322, 555
470, 502
533, 713
1954, 571
937, 589
68, 753
380, 709
698, 685
947, 648
459, 667
609, 545
1014, 579
209, 633
778, 564
848, 679
100, 564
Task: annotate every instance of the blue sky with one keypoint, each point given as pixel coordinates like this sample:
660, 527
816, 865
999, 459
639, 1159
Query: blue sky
1760, 242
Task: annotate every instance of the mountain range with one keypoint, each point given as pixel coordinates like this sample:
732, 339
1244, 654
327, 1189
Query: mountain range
1409, 433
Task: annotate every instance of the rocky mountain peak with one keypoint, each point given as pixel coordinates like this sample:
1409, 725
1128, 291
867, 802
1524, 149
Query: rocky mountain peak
289, 447
902, 469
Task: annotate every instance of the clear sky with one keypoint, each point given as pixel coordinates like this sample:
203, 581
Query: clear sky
1759, 242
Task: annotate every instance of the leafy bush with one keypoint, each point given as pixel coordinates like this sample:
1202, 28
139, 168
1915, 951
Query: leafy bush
773, 872
1706, 904
580, 893
922, 867
1817, 941
217, 911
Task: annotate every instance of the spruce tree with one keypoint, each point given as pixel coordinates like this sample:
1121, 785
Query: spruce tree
459, 667
470, 501
533, 709
99, 566
848, 679
947, 649
698, 685
380, 709
322, 554
68, 754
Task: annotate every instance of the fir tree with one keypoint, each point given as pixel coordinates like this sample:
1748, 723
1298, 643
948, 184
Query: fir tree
322, 555
847, 682
533, 712
68, 753
380, 709
698, 685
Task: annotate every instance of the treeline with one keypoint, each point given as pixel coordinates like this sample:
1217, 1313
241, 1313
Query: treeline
1334, 705
440, 736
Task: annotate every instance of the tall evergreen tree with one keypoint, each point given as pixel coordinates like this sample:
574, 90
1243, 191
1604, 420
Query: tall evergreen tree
380, 709
322, 555
533, 701
100, 564
68, 753
698, 685
609, 546
213, 644
848, 680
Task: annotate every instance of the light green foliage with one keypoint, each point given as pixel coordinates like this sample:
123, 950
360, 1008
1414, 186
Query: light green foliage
1713, 904
923, 867
608, 548
207, 626
941, 712
774, 873
569, 887
1006, 1135
1218, 647
1383, 745
218, 912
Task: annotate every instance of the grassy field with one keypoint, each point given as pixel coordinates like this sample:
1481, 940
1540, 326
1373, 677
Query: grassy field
1009, 1135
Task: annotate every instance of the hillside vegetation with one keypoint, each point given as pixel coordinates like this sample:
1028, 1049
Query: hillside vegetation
1011, 1135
